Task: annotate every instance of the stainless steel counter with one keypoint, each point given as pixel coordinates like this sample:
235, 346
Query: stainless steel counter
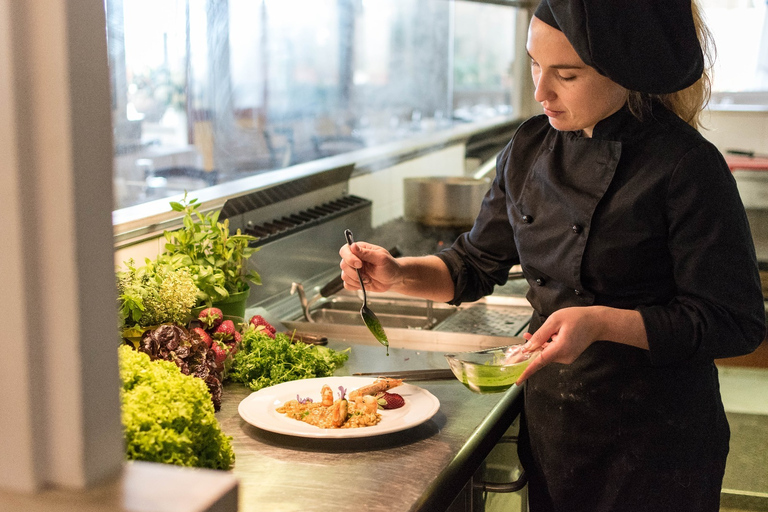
420, 469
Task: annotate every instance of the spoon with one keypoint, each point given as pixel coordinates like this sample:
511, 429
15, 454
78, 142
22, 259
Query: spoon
369, 317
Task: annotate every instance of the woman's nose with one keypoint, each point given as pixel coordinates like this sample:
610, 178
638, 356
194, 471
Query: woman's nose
543, 90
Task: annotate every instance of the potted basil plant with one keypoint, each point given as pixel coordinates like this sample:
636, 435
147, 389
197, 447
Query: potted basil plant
217, 259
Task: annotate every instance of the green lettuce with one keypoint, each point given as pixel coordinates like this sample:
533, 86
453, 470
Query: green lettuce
168, 417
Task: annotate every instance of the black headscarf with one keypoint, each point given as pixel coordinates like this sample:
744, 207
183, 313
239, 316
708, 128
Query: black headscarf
647, 46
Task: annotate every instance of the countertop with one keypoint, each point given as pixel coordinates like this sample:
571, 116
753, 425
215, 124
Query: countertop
423, 468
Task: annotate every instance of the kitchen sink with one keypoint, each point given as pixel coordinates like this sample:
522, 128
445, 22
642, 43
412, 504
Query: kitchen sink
392, 313
416, 323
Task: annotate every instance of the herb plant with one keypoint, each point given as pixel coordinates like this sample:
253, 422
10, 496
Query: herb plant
168, 417
153, 294
217, 259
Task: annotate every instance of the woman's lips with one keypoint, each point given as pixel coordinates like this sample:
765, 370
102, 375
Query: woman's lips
552, 113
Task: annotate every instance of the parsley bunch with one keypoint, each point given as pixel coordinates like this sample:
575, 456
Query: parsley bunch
262, 361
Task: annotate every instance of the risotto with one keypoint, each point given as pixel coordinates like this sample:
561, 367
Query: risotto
361, 410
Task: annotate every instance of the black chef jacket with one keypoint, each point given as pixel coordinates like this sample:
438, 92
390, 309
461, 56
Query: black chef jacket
644, 215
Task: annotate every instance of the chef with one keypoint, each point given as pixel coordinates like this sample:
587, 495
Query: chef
630, 231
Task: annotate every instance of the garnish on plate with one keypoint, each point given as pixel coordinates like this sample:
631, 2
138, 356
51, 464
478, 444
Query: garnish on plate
388, 400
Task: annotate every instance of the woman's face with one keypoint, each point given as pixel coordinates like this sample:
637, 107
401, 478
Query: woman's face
574, 96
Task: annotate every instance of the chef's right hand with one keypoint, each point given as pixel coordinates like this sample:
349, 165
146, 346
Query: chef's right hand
379, 269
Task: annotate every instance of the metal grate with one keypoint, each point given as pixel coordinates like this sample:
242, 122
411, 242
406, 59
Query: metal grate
490, 320
284, 192
295, 222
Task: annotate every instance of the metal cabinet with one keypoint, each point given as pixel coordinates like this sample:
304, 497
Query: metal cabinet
499, 484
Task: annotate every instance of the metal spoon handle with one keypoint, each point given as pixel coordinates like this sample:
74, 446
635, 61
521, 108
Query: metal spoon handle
350, 241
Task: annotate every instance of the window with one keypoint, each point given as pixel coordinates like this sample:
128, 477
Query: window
208, 91
740, 30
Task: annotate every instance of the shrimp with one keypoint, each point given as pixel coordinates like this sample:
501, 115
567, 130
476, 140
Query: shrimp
327, 395
339, 413
378, 386
370, 404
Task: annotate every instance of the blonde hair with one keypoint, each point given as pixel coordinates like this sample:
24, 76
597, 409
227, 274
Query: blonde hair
691, 101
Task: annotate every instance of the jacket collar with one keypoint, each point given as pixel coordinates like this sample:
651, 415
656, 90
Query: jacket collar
623, 126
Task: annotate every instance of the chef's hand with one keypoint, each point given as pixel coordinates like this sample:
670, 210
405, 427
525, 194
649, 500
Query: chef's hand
379, 269
571, 331
567, 333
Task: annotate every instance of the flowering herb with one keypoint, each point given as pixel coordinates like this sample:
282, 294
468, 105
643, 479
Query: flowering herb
342, 392
154, 293
307, 400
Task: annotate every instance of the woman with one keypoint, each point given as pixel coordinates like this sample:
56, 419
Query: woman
629, 228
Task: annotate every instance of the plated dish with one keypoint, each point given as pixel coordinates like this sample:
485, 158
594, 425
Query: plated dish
259, 408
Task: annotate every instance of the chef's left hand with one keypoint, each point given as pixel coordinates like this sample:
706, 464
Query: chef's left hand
571, 331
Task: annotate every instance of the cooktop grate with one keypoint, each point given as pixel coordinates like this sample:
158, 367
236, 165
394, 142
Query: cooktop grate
290, 224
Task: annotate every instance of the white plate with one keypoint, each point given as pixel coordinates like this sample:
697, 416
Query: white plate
258, 408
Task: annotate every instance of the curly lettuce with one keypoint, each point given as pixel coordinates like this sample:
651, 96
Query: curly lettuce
168, 417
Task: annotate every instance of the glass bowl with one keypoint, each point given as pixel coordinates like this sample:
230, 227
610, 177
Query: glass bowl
491, 370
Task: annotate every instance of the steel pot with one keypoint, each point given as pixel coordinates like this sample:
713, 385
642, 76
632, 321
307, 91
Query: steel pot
450, 201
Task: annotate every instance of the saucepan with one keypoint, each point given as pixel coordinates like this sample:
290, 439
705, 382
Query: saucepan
447, 201
444, 201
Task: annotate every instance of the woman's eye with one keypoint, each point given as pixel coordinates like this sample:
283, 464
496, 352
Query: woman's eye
566, 78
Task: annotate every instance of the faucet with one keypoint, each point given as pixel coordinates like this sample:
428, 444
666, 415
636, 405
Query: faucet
297, 287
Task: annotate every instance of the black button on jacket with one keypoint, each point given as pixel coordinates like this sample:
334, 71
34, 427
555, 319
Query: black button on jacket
646, 216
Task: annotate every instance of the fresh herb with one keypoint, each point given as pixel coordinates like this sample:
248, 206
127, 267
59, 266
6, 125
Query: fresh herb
217, 259
153, 294
168, 417
262, 361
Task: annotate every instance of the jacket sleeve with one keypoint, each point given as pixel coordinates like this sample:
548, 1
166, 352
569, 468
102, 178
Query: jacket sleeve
718, 310
481, 258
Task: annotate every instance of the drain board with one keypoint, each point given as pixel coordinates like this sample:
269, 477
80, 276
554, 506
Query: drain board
488, 319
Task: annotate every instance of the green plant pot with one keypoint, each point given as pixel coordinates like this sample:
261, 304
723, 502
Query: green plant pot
232, 306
